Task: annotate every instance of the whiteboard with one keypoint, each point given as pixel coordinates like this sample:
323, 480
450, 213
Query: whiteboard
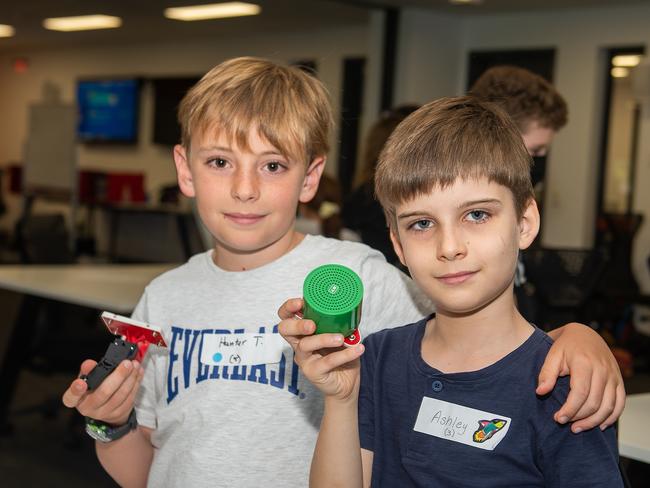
50, 152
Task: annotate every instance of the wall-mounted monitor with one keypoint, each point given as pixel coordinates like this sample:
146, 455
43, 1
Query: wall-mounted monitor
168, 93
108, 110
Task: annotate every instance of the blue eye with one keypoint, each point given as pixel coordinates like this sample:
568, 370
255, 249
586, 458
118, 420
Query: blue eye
422, 224
477, 216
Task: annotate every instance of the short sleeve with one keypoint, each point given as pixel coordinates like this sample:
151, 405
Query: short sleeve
146, 399
140, 312
588, 459
366, 398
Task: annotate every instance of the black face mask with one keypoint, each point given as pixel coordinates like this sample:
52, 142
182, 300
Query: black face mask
539, 169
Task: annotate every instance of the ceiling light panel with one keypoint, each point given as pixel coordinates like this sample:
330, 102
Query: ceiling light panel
619, 72
82, 22
6, 30
626, 60
212, 11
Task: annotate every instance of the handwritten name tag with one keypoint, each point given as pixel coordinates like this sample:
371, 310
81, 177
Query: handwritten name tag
457, 423
242, 349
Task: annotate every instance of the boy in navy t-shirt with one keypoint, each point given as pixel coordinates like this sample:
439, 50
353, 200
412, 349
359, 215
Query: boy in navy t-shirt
450, 400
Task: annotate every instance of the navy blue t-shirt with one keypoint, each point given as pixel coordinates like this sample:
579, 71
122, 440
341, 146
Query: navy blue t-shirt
483, 428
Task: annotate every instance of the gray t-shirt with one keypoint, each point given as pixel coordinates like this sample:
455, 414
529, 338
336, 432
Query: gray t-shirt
242, 426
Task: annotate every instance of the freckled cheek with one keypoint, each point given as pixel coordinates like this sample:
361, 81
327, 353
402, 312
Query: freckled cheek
284, 198
284, 191
213, 191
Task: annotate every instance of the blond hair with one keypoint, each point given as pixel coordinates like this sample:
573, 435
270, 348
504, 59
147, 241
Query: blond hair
287, 106
452, 138
524, 95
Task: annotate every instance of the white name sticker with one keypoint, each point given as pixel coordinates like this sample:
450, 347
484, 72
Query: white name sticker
242, 349
457, 423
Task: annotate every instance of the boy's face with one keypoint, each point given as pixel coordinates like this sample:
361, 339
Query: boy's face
461, 243
246, 198
537, 139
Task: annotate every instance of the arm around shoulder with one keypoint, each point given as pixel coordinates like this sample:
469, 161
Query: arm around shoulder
597, 394
128, 459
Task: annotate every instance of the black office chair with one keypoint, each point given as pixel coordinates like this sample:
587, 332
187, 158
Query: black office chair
44, 239
617, 233
564, 282
63, 334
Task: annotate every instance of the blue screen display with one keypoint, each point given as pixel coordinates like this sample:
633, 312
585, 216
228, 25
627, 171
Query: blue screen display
108, 110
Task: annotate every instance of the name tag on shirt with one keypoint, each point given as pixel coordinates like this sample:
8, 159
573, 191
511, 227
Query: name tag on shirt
457, 423
242, 349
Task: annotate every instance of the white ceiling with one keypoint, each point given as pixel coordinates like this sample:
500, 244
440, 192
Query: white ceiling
496, 6
143, 19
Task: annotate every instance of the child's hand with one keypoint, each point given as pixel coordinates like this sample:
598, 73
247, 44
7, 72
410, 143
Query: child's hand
113, 400
597, 395
331, 368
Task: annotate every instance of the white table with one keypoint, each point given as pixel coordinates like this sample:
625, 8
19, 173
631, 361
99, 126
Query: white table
634, 428
112, 287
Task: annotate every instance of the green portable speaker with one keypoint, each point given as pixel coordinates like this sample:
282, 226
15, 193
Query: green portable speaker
332, 299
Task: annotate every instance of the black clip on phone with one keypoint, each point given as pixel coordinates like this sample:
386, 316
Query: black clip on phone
117, 351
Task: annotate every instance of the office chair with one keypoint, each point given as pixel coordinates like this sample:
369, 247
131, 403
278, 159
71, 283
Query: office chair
64, 334
44, 239
564, 282
618, 234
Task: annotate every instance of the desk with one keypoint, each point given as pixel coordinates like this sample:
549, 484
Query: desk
634, 428
111, 287
114, 287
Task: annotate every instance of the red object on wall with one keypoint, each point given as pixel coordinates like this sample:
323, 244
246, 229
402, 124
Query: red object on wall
125, 188
95, 186
20, 65
92, 187
15, 179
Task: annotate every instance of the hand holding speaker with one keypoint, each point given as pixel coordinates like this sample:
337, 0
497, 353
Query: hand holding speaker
319, 324
332, 296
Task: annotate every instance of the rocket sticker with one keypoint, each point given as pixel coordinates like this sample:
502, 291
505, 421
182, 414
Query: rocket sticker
487, 429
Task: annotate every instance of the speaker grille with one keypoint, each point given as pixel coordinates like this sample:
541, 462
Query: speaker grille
333, 289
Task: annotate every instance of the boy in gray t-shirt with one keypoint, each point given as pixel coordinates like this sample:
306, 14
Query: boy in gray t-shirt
254, 139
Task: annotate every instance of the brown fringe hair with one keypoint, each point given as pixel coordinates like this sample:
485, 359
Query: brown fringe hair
524, 95
451, 138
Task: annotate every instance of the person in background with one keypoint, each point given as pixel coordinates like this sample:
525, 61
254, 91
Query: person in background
539, 112
534, 104
322, 214
361, 212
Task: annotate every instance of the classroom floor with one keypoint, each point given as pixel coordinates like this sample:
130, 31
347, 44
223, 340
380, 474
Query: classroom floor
46, 452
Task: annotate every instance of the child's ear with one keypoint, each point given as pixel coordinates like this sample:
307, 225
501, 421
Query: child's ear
397, 245
529, 224
183, 173
312, 178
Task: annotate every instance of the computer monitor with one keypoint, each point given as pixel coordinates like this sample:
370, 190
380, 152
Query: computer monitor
108, 110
